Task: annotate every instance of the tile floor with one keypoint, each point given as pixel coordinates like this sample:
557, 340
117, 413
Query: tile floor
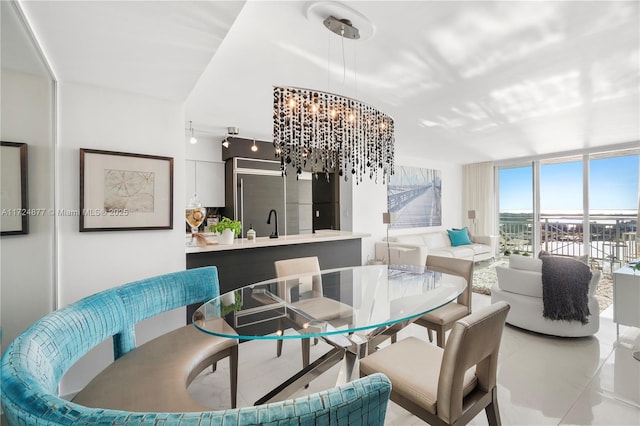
541, 380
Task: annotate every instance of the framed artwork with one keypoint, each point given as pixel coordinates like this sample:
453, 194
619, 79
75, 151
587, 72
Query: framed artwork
14, 192
414, 197
123, 191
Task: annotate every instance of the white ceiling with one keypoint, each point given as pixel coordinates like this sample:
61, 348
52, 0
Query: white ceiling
464, 81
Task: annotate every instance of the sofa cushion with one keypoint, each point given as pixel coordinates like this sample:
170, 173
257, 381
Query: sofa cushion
442, 253
436, 240
459, 237
526, 263
480, 248
460, 252
412, 239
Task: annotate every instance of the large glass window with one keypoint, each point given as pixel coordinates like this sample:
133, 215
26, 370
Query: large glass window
569, 221
516, 208
613, 208
561, 206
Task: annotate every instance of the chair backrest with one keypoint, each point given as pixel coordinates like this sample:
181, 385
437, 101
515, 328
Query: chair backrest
474, 341
161, 294
298, 266
35, 361
453, 266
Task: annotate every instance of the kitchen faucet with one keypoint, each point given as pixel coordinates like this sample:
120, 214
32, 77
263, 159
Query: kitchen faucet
275, 233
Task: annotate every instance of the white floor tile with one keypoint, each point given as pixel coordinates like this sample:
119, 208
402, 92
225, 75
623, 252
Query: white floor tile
542, 380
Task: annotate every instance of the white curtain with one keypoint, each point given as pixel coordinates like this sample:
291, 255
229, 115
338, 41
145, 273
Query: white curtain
479, 195
638, 229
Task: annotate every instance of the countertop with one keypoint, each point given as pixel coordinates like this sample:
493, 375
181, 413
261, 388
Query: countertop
243, 243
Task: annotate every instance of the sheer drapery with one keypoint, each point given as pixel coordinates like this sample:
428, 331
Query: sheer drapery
479, 195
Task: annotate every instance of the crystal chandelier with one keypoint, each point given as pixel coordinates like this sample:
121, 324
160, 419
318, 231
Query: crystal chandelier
325, 132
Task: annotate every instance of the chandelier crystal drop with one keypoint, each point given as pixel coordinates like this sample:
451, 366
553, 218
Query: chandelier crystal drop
324, 132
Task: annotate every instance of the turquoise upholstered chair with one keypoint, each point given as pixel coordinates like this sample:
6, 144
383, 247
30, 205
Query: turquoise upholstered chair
34, 363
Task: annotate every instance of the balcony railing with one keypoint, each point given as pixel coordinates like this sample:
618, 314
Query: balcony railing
612, 238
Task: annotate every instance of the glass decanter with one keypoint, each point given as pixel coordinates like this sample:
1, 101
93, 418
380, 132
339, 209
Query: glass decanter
195, 215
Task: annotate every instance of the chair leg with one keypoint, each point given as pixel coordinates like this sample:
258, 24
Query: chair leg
279, 341
492, 411
233, 375
440, 336
306, 355
394, 338
306, 352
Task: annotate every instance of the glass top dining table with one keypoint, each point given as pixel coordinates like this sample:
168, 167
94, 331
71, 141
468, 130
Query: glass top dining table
353, 309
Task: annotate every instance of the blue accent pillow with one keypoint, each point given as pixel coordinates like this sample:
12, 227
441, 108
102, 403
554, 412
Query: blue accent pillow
459, 237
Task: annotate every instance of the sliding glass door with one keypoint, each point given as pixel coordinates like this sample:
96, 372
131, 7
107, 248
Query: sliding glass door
572, 206
561, 221
516, 208
613, 208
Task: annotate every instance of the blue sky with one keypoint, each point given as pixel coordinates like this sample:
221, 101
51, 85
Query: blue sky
613, 185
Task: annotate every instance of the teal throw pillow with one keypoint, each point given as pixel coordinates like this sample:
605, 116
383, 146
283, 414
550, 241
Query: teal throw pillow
459, 237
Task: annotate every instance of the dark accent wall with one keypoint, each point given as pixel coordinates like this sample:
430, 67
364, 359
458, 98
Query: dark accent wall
240, 267
241, 147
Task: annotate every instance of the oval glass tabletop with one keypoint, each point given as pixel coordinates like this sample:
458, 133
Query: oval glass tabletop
335, 301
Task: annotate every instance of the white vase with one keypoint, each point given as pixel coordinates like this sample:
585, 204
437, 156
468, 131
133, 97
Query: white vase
226, 237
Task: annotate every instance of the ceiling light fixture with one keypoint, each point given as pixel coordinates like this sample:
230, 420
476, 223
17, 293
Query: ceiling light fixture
254, 148
231, 131
327, 132
193, 139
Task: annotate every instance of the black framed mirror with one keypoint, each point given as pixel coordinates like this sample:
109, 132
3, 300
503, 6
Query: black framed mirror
14, 189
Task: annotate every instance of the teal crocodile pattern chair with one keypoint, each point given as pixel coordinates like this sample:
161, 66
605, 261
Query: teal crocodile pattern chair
34, 363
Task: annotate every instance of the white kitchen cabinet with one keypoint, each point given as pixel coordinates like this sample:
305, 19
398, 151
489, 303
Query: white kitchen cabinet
206, 178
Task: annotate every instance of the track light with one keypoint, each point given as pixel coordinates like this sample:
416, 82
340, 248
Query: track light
231, 131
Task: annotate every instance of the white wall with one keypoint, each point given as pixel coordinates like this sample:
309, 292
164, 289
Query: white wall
27, 260
367, 201
101, 118
208, 148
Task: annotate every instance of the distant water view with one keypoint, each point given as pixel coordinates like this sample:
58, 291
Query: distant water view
609, 240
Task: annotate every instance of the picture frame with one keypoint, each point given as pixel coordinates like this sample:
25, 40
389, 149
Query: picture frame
414, 197
15, 194
122, 191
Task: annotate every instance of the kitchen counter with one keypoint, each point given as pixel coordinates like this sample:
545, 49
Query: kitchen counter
243, 243
245, 262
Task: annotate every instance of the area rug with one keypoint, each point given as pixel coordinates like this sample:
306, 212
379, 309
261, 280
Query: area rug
484, 275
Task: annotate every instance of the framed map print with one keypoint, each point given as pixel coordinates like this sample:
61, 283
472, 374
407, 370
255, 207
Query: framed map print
122, 191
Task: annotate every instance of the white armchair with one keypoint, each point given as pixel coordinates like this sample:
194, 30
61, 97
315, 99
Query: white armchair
520, 285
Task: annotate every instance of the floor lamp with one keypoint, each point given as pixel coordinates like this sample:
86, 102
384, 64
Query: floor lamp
386, 219
471, 215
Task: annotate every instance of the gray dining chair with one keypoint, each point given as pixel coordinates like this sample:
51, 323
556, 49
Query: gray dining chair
317, 306
447, 386
442, 319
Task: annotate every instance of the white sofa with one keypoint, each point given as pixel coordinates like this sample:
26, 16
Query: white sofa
412, 249
520, 285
